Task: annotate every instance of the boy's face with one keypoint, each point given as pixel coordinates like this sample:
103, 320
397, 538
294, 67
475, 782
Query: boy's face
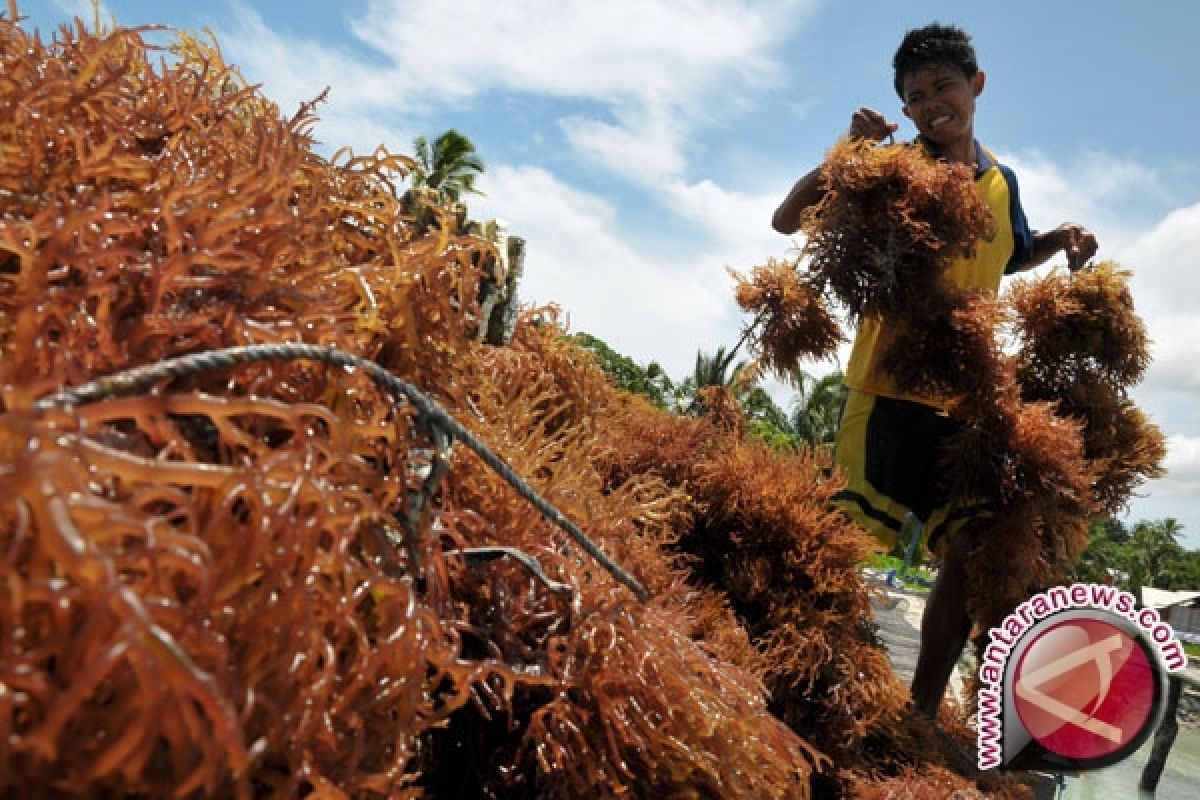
940, 100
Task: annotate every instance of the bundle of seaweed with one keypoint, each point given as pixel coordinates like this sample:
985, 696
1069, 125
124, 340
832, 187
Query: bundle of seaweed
1083, 347
948, 348
877, 245
238, 628
653, 700
791, 318
1078, 326
148, 215
765, 538
1082, 444
890, 221
936, 783
761, 553
205, 590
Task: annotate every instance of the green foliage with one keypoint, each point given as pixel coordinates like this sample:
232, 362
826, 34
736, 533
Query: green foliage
450, 165
775, 437
815, 410
1149, 554
818, 406
886, 561
1156, 557
710, 370
765, 419
650, 381
759, 407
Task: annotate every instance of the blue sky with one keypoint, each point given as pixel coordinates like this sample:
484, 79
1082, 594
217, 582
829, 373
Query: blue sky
641, 145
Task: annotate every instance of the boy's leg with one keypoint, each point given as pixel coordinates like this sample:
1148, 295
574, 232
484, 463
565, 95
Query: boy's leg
944, 629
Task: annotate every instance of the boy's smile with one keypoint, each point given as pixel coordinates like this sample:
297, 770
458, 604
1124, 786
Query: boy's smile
940, 100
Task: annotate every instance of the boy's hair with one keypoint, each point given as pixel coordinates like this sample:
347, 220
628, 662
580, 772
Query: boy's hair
932, 45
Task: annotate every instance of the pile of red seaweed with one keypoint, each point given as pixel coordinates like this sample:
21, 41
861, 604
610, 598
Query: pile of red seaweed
244, 583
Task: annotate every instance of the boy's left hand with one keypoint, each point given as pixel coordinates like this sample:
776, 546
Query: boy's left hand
1078, 243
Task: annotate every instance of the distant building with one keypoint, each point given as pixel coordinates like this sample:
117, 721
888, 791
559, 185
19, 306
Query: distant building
1181, 610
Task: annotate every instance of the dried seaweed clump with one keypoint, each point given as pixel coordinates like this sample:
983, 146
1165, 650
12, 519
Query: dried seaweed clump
1083, 347
936, 783
241, 628
669, 721
1076, 326
763, 536
878, 243
1050, 437
613, 698
206, 592
791, 318
889, 223
1060, 439
153, 213
949, 349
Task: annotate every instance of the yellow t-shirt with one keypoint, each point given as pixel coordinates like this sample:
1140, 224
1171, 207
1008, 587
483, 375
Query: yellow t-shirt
1005, 252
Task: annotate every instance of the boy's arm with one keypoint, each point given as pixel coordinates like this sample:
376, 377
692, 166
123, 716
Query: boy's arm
807, 192
1075, 240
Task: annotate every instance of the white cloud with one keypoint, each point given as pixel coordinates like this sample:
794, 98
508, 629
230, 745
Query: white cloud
1175, 349
1091, 194
1177, 494
1183, 462
363, 135
653, 49
294, 70
656, 68
736, 219
1165, 262
649, 309
643, 147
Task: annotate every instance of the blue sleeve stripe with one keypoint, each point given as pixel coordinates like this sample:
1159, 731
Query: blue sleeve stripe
1022, 235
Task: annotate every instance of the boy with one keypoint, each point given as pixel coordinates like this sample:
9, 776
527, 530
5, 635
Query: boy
888, 441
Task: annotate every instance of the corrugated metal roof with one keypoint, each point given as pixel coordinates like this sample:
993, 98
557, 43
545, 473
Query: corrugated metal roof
1161, 598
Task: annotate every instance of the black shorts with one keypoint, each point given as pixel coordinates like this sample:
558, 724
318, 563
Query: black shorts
890, 451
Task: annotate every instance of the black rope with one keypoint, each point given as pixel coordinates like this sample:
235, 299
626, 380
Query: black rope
141, 378
482, 555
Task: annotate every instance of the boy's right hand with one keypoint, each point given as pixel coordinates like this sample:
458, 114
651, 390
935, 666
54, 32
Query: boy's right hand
867, 123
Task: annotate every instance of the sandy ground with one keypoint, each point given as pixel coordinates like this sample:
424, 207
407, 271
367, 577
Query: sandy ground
898, 615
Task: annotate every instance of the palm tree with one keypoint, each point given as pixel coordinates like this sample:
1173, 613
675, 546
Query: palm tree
759, 405
450, 166
818, 406
1156, 553
714, 370
710, 370
719, 369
